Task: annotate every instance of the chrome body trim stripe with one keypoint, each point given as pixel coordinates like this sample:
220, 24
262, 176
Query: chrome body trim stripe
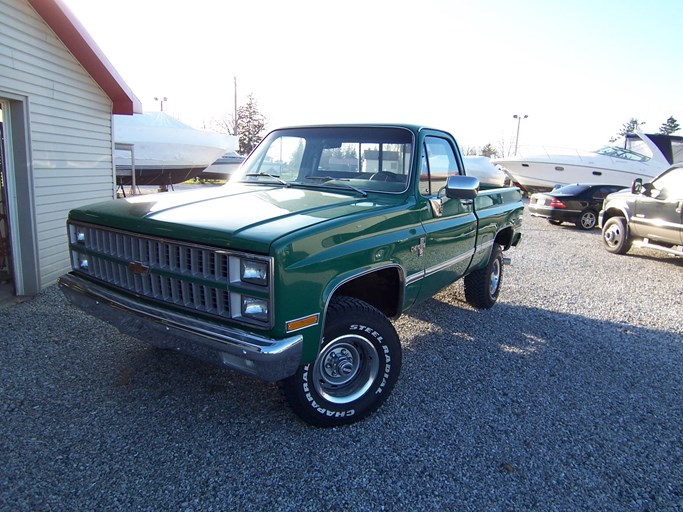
448, 263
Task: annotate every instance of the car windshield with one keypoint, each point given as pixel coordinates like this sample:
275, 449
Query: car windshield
357, 159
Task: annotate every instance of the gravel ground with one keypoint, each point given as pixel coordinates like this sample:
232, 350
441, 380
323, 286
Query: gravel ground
565, 396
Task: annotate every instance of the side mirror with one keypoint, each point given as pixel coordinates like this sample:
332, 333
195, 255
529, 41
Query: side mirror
637, 186
462, 187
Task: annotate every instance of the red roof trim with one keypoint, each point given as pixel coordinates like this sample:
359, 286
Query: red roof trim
77, 40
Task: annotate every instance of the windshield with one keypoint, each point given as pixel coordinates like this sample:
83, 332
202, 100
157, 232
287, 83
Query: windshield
360, 159
626, 154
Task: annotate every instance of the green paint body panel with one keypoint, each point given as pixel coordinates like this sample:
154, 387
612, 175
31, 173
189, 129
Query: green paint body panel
321, 239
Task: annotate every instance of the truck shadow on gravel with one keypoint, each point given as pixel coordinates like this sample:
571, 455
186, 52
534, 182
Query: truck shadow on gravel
446, 344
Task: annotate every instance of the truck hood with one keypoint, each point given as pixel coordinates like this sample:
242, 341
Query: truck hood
621, 195
245, 217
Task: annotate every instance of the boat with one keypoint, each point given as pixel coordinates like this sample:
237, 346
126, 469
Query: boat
640, 156
489, 174
165, 151
223, 167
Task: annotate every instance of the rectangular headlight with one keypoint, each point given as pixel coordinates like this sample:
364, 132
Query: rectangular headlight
80, 262
256, 309
254, 272
78, 234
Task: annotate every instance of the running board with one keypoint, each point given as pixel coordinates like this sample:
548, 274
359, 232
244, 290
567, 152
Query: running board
648, 245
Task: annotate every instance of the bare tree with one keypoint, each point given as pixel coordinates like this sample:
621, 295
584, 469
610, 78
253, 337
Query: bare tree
505, 148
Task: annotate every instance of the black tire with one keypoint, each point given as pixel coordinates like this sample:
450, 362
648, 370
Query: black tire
483, 286
615, 235
355, 371
587, 220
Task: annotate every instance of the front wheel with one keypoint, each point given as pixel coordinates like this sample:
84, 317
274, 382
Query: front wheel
615, 235
356, 369
483, 286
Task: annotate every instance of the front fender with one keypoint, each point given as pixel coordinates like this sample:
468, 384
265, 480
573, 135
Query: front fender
619, 209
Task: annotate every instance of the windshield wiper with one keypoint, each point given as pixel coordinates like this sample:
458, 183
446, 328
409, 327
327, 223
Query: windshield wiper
340, 183
267, 175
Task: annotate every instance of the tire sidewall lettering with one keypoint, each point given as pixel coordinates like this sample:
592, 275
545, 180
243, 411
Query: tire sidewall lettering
382, 380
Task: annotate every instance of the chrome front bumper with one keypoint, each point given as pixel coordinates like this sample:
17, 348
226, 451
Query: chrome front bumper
247, 353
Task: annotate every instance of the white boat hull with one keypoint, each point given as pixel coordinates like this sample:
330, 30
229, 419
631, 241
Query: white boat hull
223, 167
536, 176
609, 165
489, 175
165, 150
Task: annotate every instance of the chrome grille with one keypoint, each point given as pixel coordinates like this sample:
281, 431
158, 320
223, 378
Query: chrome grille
189, 276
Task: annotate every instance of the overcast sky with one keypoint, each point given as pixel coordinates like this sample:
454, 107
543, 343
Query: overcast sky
579, 69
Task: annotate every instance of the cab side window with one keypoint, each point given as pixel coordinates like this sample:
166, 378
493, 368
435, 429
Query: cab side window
438, 163
670, 185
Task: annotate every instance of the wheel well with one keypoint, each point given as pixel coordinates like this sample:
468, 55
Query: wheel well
504, 238
381, 289
613, 212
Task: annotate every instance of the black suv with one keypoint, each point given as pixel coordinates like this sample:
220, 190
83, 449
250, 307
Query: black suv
649, 215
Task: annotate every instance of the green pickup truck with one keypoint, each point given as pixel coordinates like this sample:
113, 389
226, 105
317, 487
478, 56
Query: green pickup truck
291, 271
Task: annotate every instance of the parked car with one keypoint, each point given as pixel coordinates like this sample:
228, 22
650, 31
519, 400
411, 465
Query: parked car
648, 215
579, 204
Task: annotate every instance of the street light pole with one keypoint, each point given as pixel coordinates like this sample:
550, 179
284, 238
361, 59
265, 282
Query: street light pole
161, 101
519, 120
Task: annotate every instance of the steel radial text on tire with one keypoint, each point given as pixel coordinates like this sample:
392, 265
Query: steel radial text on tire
355, 371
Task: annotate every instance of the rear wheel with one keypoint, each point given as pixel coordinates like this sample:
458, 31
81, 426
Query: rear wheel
354, 372
615, 235
588, 220
483, 286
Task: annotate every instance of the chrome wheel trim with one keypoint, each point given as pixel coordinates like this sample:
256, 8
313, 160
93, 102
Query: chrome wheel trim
495, 277
612, 235
345, 369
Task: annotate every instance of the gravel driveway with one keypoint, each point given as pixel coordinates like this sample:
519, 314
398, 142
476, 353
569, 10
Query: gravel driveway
567, 395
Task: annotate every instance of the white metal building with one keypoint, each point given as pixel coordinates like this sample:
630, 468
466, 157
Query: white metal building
57, 96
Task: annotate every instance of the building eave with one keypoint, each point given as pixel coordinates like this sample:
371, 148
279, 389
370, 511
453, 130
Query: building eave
77, 40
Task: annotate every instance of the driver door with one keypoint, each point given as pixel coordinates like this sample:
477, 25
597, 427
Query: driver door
450, 224
659, 214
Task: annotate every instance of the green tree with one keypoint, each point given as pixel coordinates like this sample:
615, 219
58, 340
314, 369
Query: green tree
669, 127
631, 126
489, 151
250, 124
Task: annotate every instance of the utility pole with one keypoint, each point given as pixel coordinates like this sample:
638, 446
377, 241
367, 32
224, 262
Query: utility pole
234, 128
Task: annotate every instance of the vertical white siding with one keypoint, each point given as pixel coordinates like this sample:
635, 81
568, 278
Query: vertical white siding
69, 124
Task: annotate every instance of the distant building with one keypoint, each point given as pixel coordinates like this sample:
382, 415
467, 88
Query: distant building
57, 96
